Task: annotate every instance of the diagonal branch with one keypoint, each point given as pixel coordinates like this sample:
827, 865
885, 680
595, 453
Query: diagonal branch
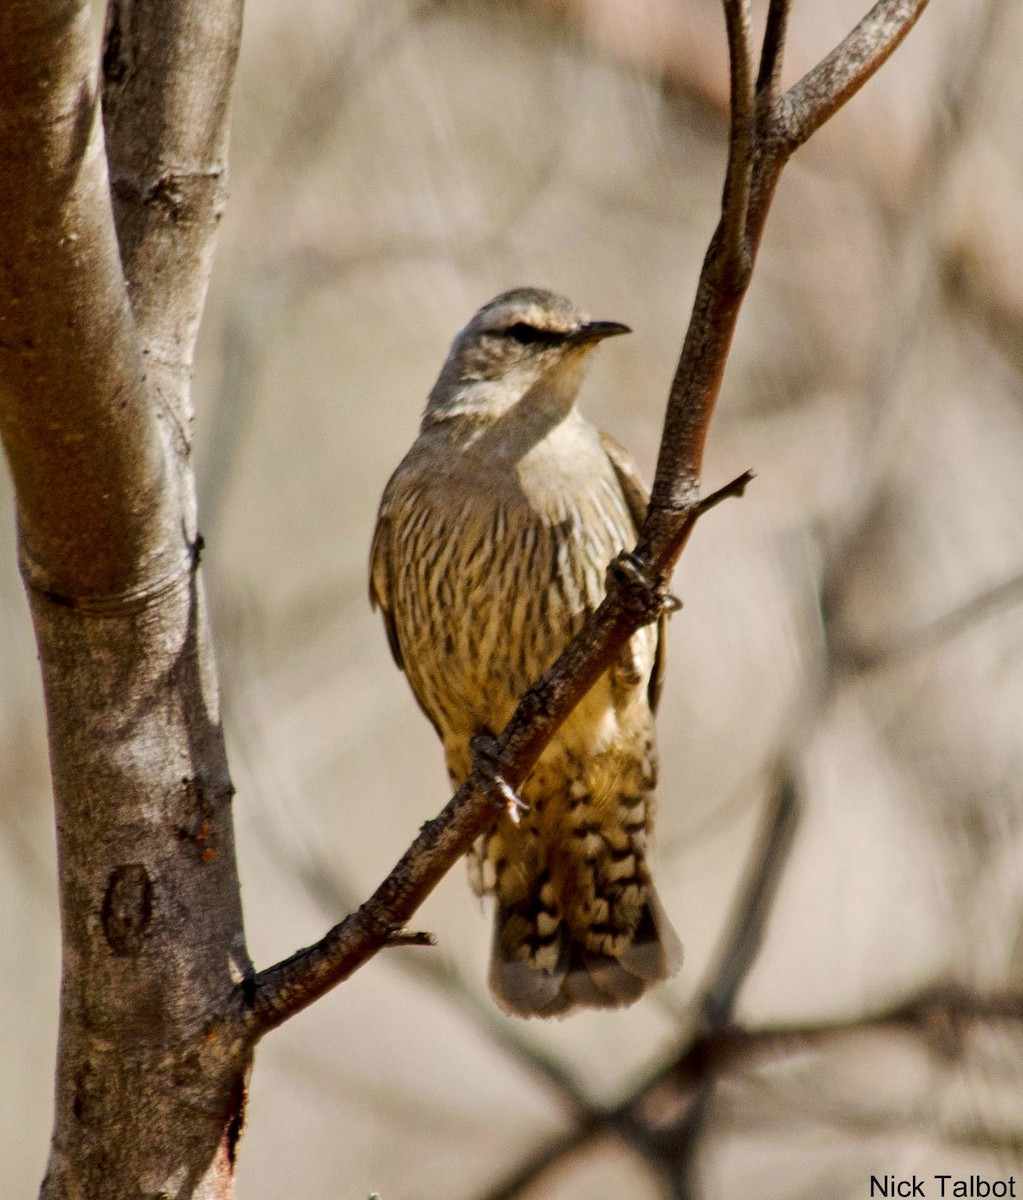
837, 78
901, 647
634, 598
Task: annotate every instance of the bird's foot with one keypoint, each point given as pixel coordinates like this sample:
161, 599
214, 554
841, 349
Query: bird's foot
639, 589
486, 766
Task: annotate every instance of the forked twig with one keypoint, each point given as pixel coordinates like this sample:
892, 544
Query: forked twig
837, 78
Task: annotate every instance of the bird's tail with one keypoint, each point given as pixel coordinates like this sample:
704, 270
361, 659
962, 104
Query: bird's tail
542, 967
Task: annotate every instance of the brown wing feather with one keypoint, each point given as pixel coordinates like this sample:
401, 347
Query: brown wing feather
380, 594
380, 582
637, 498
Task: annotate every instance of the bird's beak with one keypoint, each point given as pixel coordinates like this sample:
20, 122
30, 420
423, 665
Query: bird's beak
596, 331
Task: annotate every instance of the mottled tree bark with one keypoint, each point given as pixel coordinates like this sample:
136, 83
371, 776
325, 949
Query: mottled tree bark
97, 323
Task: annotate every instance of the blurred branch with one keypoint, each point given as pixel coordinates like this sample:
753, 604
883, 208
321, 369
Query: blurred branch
978, 272
901, 647
739, 946
321, 98
937, 1014
969, 72
751, 909
635, 597
522, 1178
687, 1082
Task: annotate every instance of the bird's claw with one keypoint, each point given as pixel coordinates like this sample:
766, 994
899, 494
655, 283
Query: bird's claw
486, 765
639, 588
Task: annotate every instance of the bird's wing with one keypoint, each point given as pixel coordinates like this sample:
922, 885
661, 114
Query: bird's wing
380, 578
637, 498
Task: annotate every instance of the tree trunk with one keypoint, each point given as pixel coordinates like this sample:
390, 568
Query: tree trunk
98, 313
150, 1083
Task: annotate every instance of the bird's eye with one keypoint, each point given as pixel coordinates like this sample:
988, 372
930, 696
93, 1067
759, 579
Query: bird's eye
528, 334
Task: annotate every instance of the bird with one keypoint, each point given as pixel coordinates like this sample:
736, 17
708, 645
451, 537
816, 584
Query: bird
491, 547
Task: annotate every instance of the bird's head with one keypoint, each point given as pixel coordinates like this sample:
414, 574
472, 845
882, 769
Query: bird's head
524, 342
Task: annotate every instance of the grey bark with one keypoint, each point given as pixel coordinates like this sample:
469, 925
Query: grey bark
97, 324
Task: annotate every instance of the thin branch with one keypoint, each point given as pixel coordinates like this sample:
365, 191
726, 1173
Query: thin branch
527, 1172
902, 647
552, 1074
935, 1014
938, 1013
735, 489
743, 939
285, 989
837, 78
735, 202
334, 895
772, 53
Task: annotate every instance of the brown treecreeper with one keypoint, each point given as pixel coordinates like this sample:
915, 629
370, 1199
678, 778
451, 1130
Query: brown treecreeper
491, 547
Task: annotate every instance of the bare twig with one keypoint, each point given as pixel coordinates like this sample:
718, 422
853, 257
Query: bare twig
836, 79
734, 489
411, 937
772, 53
335, 894
285, 989
279, 992
735, 203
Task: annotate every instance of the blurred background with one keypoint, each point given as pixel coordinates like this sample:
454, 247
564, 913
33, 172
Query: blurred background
842, 766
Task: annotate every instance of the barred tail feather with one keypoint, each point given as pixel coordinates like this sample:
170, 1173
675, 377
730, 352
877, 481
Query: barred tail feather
565, 974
